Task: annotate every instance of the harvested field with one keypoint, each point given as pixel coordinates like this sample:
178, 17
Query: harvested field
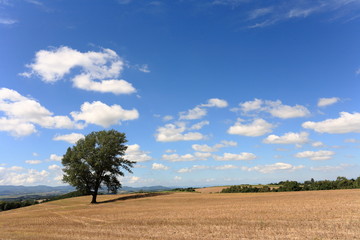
286, 215
210, 189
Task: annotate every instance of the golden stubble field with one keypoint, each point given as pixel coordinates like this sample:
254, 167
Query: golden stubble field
291, 215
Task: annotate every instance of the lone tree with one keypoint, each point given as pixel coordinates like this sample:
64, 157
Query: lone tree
96, 161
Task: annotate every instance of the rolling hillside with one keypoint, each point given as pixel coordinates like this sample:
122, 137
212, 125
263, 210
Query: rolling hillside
287, 215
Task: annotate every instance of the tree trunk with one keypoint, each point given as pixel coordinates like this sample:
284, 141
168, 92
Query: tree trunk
94, 195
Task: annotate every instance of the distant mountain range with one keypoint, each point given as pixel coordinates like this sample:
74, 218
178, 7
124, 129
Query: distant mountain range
11, 190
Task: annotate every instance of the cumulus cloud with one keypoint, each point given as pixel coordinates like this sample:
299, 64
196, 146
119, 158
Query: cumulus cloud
275, 108
9, 176
245, 156
70, 138
33, 162
179, 158
134, 153
279, 166
54, 157
288, 138
199, 125
199, 111
318, 144
193, 168
98, 70
104, 115
54, 167
225, 167
176, 132
257, 128
323, 102
215, 148
195, 113
215, 102
23, 113
168, 118
159, 166
346, 123
316, 155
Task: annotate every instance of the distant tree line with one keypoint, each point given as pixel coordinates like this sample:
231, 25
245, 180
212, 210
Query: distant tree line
8, 205
284, 186
189, 189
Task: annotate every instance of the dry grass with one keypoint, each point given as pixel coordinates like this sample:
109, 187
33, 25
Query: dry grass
292, 215
210, 189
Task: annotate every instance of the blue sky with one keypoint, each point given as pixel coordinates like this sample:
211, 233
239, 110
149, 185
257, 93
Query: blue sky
209, 92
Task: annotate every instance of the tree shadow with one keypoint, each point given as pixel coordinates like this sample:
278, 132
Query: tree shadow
134, 196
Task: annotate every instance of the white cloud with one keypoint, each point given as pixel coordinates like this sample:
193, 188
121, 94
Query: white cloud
199, 125
346, 123
54, 167
170, 150
204, 148
133, 179
273, 167
215, 148
97, 69
225, 167
323, 102
33, 162
104, 115
288, 138
202, 155
70, 138
331, 168
351, 140
319, 155
318, 144
159, 166
251, 105
143, 68
168, 118
195, 113
177, 178
10, 176
266, 14
22, 113
257, 128
85, 82
215, 102
179, 158
244, 156
134, 153
16, 127
176, 132
275, 108
193, 168
16, 168
54, 157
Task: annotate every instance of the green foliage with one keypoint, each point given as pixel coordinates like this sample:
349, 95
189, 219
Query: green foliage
284, 186
245, 189
189, 189
8, 205
96, 161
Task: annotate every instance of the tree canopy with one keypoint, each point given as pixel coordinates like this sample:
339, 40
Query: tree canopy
97, 161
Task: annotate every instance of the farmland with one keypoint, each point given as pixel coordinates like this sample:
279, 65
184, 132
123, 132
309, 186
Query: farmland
331, 214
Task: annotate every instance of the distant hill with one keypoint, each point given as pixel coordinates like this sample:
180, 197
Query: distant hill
43, 190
